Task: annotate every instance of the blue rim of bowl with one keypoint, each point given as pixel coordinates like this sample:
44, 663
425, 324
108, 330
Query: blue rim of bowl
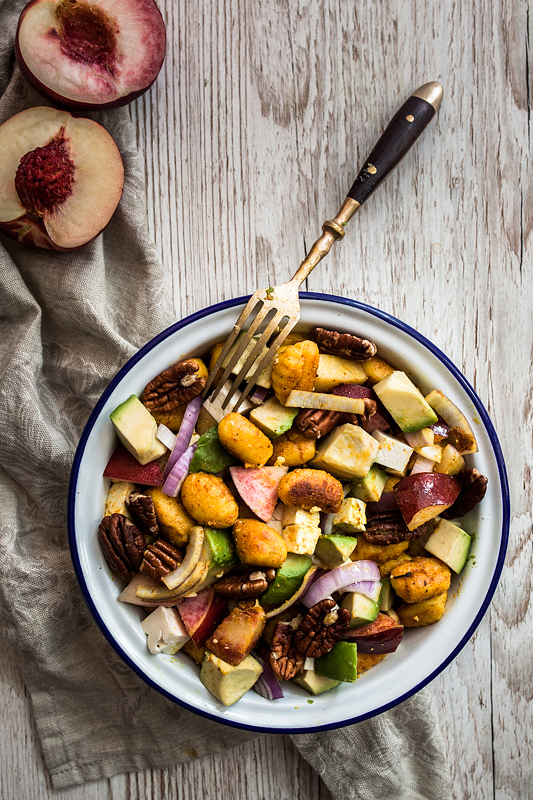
391, 321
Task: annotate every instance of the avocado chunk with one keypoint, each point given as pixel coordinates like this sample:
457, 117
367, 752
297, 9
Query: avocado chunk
387, 595
370, 488
136, 429
210, 456
272, 418
333, 550
226, 682
220, 547
340, 664
449, 543
362, 609
404, 402
313, 683
287, 581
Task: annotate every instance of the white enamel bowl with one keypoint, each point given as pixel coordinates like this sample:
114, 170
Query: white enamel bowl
423, 653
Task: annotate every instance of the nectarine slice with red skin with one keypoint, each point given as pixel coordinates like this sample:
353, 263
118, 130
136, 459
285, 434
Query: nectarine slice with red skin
90, 55
425, 495
381, 636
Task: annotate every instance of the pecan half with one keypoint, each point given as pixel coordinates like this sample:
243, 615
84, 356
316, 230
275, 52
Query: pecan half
160, 558
321, 628
388, 527
284, 660
345, 345
473, 489
142, 508
123, 545
248, 584
172, 388
314, 424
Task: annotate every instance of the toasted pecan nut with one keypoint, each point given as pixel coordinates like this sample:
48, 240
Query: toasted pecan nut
160, 558
245, 585
345, 345
143, 509
320, 629
175, 386
314, 423
123, 545
388, 527
311, 488
473, 490
284, 660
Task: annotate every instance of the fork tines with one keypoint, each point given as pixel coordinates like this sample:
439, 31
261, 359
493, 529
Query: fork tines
262, 318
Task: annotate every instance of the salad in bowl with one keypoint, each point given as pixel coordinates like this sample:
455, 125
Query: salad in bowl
302, 552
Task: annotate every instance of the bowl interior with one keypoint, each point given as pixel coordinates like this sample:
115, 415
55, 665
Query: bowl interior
423, 653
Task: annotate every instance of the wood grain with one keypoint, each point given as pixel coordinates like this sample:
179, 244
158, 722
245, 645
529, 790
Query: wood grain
252, 135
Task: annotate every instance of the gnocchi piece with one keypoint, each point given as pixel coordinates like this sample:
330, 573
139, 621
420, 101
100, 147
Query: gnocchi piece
420, 579
209, 501
258, 545
295, 368
293, 448
243, 440
376, 369
386, 567
174, 522
426, 612
367, 551
366, 661
172, 419
311, 488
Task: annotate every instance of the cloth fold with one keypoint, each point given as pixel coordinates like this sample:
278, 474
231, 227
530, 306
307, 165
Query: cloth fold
67, 323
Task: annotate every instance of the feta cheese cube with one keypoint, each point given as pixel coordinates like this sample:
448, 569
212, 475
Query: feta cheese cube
165, 631
348, 452
393, 454
351, 516
298, 516
301, 539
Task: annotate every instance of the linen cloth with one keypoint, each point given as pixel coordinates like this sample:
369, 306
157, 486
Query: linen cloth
67, 323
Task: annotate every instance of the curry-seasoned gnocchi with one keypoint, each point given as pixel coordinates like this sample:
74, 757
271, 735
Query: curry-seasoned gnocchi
244, 440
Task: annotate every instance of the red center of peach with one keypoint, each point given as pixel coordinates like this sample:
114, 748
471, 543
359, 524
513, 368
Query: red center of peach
45, 176
86, 33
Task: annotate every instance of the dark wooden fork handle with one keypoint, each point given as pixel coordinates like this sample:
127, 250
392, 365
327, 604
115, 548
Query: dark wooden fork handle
401, 133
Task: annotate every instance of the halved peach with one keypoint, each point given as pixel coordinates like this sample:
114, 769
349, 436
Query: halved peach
87, 55
61, 178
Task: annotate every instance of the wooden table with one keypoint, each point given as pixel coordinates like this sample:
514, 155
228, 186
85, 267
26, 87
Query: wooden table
251, 136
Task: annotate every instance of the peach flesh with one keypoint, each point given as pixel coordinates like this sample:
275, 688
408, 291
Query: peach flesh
61, 178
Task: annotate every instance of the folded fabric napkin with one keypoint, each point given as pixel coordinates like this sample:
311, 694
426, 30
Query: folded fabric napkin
68, 322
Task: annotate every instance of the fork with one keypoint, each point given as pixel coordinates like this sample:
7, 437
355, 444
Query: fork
277, 309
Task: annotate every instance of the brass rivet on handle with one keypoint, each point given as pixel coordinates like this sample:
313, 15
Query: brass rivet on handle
410, 118
371, 169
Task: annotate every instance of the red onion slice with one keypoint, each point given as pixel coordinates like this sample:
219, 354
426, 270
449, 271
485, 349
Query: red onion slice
370, 589
267, 685
336, 579
326, 522
179, 471
184, 434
